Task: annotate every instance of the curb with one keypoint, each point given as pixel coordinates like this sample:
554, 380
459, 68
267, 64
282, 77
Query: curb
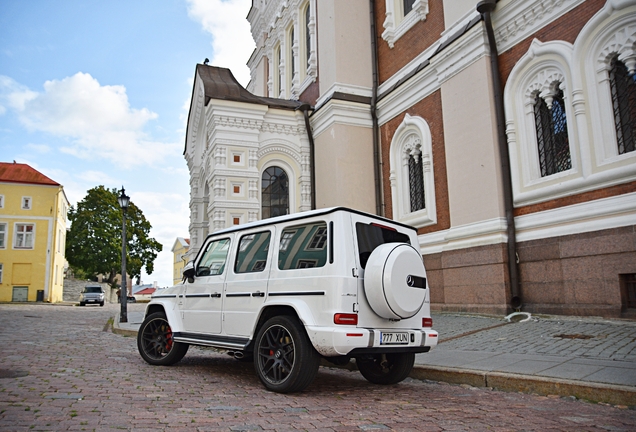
593, 392
117, 329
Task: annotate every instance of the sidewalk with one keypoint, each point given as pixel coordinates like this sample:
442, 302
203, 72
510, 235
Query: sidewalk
589, 358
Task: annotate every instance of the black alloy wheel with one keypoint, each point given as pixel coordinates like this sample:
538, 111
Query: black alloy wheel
155, 343
284, 359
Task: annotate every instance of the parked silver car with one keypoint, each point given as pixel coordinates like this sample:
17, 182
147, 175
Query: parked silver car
92, 294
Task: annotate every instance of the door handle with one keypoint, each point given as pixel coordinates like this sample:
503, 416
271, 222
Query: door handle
258, 294
217, 295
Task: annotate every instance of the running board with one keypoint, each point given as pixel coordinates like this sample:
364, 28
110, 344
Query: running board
226, 342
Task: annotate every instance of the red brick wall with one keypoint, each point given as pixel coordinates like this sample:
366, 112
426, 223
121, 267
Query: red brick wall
565, 28
430, 109
419, 37
311, 94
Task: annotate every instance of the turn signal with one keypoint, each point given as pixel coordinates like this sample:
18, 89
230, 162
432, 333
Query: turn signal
427, 322
345, 318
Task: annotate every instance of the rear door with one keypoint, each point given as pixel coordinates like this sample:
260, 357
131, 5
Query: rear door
369, 234
246, 287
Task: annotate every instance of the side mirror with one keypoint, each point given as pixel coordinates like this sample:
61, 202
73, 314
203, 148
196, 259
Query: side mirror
188, 271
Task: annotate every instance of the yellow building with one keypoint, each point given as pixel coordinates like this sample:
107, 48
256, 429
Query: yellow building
32, 235
180, 248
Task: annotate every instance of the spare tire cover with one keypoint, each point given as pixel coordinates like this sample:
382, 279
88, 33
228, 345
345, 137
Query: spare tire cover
390, 270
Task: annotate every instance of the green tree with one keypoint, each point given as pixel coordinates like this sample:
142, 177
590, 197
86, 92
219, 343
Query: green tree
93, 243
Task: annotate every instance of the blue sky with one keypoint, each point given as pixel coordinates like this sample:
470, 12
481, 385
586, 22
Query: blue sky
97, 92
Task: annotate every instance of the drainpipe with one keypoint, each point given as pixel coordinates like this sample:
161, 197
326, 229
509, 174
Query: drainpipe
485, 8
377, 151
312, 165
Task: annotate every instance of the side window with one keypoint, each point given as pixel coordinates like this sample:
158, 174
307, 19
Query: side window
370, 236
252, 253
213, 260
303, 246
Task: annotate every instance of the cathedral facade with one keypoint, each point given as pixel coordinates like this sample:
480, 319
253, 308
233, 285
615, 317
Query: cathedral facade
503, 130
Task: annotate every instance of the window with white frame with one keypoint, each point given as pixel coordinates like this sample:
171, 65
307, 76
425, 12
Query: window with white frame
26, 203
412, 177
401, 15
3, 235
24, 236
1, 268
1, 201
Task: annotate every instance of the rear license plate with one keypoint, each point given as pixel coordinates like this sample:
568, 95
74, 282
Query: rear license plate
394, 338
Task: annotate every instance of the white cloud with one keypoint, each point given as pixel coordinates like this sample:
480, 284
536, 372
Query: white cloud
231, 36
13, 94
97, 120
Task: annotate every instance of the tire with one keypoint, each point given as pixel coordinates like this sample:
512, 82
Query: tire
284, 358
155, 344
386, 369
101, 304
82, 303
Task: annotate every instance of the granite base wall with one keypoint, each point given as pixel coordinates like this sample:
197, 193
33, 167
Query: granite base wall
577, 274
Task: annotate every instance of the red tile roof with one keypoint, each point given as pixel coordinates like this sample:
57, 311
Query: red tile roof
145, 291
23, 173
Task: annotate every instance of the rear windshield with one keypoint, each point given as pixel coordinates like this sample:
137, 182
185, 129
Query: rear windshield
370, 236
92, 290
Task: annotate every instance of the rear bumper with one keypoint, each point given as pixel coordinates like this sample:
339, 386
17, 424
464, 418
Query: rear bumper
337, 341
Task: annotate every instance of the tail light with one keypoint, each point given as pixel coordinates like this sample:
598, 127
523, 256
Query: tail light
345, 318
427, 322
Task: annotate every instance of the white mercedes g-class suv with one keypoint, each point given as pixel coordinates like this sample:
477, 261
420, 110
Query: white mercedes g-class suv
333, 283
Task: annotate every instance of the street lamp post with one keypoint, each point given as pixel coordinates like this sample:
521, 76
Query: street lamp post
123, 200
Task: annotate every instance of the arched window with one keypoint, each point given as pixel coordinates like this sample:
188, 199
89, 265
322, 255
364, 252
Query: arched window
623, 88
412, 178
552, 134
275, 192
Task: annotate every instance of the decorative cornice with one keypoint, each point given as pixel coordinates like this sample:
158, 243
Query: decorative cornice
340, 112
517, 20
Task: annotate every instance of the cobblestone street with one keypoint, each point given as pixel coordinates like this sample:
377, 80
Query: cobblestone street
61, 368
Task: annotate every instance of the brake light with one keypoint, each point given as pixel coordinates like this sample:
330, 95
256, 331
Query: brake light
427, 322
383, 227
345, 318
